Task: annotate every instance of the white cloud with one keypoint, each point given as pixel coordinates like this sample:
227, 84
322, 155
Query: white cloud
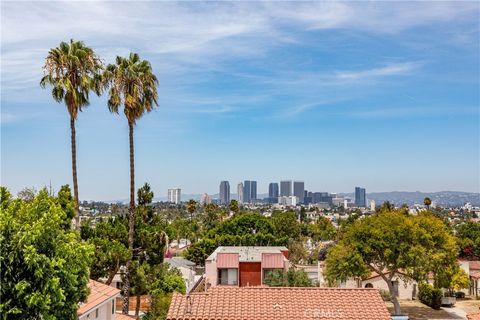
389, 70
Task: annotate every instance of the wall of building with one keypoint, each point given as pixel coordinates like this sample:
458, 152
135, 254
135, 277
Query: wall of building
104, 312
211, 273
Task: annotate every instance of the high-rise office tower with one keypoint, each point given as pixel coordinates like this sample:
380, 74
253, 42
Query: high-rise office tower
224, 192
298, 190
174, 195
286, 188
360, 197
273, 190
249, 191
253, 192
240, 192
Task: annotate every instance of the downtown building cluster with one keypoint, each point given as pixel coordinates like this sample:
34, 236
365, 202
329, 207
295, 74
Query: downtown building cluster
287, 193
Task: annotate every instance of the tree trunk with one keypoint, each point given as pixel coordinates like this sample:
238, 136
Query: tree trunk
74, 172
396, 305
137, 306
131, 221
111, 276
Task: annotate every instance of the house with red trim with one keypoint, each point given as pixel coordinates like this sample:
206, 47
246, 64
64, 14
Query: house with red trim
244, 266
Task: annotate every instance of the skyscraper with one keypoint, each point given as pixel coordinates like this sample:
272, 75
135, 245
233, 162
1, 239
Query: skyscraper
360, 197
273, 190
286, 188
253, 192
298, 190
224, 192
249, 191
174, 195
240, 192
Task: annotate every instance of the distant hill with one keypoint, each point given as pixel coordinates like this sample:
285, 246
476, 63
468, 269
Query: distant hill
442, 198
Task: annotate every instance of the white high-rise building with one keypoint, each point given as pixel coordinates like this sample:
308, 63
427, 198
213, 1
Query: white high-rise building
289, 201
372, 205
174, 195
205, 199
240, 193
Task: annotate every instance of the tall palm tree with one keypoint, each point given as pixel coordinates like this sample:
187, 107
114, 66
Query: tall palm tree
73, 70
133, 86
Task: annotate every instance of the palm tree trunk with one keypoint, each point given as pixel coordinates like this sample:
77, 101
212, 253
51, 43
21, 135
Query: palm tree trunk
74, 172
131, 222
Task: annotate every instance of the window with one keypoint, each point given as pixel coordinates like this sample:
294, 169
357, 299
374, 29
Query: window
266, 272
228, 276
96, 313
369, 285
113, 306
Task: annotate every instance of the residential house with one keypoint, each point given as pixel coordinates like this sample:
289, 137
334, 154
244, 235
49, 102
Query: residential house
100, 304
472, 268
244, 266
403, 288
187, 269
279, 303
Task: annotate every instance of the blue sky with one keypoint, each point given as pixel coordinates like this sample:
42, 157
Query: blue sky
383, 95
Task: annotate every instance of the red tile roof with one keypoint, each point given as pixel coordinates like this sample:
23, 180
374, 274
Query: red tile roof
99, 293
475, 274
474, 265
279, 303
473, 316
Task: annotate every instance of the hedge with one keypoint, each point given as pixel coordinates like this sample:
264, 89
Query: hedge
430, 296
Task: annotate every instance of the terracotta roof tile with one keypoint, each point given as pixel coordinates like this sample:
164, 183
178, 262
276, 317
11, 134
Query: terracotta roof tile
99, 292
475, 274
473, 316
280, 303
474, 265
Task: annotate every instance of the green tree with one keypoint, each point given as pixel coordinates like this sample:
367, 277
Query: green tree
468, 235
286, 224
73, 70
291, 278
391, 241
44, 267
233, 206
191, 207
322, 229
133, 85
427, 202
110, 239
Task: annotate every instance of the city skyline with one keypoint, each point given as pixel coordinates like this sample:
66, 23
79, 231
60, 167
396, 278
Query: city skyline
340, 93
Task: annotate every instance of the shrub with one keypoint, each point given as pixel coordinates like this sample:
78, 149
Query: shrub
430, 296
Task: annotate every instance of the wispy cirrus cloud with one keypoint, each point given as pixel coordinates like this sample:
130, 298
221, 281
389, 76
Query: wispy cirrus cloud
389, 70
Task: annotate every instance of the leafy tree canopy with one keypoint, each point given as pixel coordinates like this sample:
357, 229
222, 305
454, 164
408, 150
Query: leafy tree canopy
44, 265
291, 278
392, 241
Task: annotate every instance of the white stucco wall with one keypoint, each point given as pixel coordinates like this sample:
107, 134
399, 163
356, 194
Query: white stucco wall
211, 273
104, 312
